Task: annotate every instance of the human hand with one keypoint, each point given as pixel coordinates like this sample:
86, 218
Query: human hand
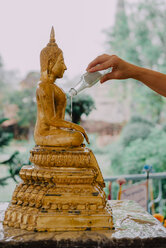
120, 68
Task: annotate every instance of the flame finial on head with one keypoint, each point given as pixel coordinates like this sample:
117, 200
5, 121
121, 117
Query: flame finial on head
50, 52
52, 35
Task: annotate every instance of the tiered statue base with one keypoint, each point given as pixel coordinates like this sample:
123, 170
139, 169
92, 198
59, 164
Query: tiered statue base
134, 228
62, 191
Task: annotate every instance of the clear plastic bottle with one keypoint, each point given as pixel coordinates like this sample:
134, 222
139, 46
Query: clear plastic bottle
87, 80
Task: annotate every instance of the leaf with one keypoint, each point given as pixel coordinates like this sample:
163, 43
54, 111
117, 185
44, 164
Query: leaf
11, 159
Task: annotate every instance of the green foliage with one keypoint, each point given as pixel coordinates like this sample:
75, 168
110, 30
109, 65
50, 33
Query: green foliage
139, 119
94, 147
118, 37
149, 148
145, 19
148, 103
13, 162
26, 116
135, 130
81, 104
14, 167
147, 151
137, 38
5, 137
26, 102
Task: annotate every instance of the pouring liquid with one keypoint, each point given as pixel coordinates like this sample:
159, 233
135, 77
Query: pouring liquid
71, 109
87, 80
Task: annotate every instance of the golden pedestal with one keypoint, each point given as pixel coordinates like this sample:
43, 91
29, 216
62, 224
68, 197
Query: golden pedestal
62, 191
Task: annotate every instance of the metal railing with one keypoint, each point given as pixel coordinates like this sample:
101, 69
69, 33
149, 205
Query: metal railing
160, 199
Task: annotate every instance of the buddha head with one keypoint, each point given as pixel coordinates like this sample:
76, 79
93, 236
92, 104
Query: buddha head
52, 61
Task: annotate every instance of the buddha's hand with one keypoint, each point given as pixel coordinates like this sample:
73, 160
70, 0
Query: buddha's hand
81, 130
120, 68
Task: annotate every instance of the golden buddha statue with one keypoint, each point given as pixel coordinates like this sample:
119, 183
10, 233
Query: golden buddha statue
51, 129
63, 188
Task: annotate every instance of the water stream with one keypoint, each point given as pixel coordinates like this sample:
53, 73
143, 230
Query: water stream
71, 109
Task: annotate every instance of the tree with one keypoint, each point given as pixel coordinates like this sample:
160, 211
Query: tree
137, 128
81, 104
131, 159
135, 149
25, 99
8, 83
26, 102
12, 162
14, 166
5, 137
137, 38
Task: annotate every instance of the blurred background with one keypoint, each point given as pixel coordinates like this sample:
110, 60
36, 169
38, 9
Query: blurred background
125, 120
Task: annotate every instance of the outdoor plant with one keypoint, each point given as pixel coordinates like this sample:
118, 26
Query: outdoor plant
81, 104
14, 162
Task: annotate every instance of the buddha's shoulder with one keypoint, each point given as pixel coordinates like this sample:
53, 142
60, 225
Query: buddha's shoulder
58, 90
44, 88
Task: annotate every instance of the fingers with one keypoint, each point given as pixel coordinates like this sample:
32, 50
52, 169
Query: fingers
100, 59
107, 77
87, 139
84, 134
102, 66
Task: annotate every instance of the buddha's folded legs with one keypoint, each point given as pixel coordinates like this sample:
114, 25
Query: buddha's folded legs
59, 137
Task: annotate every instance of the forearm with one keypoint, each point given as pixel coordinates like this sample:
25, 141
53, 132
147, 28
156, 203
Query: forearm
63, 124
123, 70
153, 79
60, 123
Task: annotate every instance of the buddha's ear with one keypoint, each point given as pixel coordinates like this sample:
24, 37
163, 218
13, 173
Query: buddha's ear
49, 68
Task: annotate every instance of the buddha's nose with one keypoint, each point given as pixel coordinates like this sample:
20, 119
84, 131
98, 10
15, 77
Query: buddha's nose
65, 68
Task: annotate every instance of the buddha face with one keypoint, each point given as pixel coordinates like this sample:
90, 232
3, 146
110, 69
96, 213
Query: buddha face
59, 67
55, 70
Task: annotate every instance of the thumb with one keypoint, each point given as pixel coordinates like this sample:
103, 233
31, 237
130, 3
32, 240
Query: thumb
107, 76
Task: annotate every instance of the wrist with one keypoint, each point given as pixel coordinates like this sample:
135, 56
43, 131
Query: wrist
136, 72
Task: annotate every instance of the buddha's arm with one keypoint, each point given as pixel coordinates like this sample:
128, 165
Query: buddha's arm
62, 123
47, 100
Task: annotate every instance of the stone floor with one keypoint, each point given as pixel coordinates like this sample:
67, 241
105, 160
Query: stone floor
134, 227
